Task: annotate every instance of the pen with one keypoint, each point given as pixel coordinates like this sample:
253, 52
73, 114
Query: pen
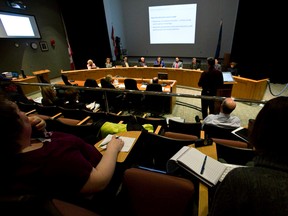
203, 165
104, 144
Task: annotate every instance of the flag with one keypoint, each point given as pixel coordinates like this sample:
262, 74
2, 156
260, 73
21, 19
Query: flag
113, 41
72, 66
218, 48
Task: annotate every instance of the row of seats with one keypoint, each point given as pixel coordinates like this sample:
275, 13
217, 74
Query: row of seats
126, 101
153, 149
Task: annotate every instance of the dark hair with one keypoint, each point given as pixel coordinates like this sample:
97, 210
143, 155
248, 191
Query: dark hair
11, 129
211, 61
267, 136
90, 83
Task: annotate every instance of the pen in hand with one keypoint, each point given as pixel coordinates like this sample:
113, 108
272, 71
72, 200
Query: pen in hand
106, 143
203, 165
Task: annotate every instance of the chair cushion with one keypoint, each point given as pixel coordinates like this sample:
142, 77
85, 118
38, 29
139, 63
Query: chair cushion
180, 135
233, 143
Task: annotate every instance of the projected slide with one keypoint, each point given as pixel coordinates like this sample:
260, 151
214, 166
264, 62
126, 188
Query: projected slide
172, 24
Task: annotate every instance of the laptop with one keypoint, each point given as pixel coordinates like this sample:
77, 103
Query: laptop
227, 76
242, 133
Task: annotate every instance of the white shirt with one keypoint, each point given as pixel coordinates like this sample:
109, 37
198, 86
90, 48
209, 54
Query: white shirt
222, 120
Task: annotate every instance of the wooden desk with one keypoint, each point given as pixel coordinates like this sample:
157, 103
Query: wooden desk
122, 155
242, 88
203, 189
249, 89
43, 73
28, 89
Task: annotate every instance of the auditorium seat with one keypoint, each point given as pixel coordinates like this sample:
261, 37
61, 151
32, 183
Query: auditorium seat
147, 192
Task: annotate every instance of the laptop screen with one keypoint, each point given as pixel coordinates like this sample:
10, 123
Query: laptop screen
227, 77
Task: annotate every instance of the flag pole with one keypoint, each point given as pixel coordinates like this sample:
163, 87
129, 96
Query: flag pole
72, 65
218, 48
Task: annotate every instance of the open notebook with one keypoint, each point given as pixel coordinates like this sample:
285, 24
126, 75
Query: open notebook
205, 168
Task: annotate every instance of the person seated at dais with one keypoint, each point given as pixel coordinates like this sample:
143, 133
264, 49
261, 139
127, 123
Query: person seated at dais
177, 63
195, 65
159, 62
91, 64
141, 62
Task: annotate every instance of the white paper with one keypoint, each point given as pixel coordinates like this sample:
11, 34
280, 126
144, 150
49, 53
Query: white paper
128, 142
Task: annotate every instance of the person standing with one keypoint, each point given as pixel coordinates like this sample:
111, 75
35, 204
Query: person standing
177, 63
210, 81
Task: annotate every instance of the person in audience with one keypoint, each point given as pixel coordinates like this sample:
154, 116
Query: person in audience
49, 96
108, 63
154, 86
218, 65
177, 63
159, 62
72, 99
224, 119
233, 69
61, 166
194, 64
210, 80
15, 93
125, 62
262, 189
91, 64
141, 62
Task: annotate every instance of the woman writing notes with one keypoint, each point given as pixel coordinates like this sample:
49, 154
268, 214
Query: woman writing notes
62, 165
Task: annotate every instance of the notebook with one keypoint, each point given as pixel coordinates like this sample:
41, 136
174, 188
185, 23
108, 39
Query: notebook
205, 168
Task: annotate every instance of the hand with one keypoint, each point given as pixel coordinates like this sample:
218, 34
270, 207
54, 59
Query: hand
37, 122
116, 143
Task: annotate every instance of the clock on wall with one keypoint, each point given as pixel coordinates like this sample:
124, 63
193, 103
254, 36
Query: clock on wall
34, 45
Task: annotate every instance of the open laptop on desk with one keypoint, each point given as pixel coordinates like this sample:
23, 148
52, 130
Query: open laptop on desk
227, 76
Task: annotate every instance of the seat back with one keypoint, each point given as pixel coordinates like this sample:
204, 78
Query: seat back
112, 117
90, 83
212, 131
47, 110
152, 193
130, 84
88, 132
154, 103
74, 113
65, 79
231, 152
192, 128
153, 121
26, 107
155, 150
154, 87
106, 84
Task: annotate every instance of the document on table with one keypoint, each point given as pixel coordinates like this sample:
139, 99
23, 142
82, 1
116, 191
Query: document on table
128, 142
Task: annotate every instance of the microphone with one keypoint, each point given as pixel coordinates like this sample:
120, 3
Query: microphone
23, 74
